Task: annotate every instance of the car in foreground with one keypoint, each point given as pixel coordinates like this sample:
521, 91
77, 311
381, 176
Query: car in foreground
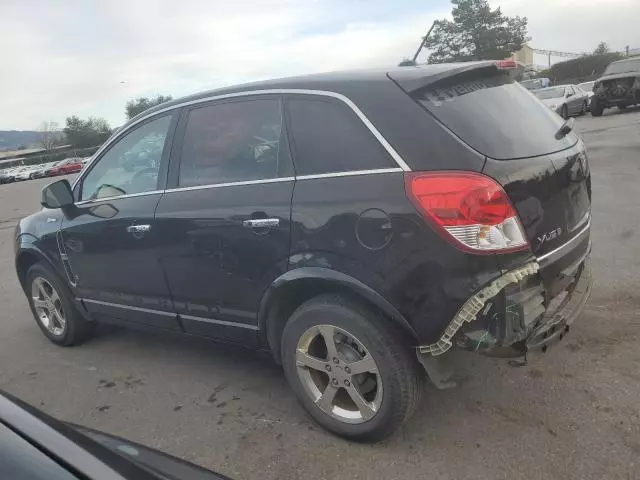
619, 86
65, 167
35, 446
565, 100
360, 225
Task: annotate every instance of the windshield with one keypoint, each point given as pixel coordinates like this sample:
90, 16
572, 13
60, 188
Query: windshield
548, 93
624, 67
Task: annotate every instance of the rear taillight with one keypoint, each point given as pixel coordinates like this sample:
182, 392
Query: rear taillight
471, 210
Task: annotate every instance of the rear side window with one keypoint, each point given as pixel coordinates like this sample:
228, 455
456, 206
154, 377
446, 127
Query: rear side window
328, 137
495, 115
234, 142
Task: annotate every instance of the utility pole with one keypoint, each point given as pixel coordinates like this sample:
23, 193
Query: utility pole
626, 49
424, 40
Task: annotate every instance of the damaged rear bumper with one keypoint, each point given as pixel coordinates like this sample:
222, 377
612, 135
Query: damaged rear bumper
518, 312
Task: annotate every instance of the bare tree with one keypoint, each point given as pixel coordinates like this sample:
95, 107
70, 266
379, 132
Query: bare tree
51, 135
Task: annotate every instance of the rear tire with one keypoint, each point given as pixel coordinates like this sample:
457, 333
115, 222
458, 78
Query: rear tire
53, 307
622, 107
390, 387
596, 108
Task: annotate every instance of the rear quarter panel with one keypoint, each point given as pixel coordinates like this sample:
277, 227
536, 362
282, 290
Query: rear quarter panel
365, 227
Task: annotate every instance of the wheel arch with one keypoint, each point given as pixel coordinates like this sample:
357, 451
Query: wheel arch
28, 255
296, 286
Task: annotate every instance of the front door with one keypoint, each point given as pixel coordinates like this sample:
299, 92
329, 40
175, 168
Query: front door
224, 219
109, 239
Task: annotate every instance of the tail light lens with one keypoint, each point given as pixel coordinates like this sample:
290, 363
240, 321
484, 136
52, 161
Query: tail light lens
471, 210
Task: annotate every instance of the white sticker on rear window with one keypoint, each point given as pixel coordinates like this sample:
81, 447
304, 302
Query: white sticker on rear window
439, 96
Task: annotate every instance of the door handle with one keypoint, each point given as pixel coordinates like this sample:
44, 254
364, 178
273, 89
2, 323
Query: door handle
138, 228
261, 223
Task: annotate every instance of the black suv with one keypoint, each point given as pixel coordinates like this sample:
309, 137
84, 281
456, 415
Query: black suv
619, 86
359, 225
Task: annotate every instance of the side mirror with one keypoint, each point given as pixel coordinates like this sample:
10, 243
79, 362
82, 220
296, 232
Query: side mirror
569, 94
57, 195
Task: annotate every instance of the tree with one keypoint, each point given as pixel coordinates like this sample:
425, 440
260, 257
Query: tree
139, 105
476, 33
602, 49
50, 135
86, 133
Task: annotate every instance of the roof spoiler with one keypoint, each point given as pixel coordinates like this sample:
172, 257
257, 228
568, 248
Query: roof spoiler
416, 77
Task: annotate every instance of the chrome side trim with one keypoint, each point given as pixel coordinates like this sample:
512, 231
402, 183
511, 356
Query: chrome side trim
219, 322
276, 91
229, 184
171, 314
582, 221
117, 197
73, 280
128, 307
565, 245
349, 174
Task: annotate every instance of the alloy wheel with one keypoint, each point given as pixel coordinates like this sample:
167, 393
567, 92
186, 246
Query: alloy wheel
339, 374
48, 306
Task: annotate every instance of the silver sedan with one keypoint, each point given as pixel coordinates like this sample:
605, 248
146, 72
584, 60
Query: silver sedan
566, 100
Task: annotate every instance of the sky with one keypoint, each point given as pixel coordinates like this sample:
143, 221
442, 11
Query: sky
87, 58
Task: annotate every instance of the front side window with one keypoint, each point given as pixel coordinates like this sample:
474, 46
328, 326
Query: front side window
234, 142
131, 165
328, 137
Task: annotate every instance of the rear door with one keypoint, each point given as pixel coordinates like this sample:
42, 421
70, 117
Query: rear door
224, 220
546, 175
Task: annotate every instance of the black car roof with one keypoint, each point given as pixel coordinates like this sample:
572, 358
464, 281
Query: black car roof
409, 78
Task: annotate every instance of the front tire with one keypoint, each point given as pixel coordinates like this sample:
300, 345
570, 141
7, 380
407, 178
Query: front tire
53, 307
564, 112
352, 370
583, 111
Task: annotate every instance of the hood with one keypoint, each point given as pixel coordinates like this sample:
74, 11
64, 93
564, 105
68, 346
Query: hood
161, 464
550, 102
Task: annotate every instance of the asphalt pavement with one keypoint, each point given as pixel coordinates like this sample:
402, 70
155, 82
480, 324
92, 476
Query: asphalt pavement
572, 414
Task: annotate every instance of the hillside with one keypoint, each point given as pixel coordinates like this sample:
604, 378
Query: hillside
14, 139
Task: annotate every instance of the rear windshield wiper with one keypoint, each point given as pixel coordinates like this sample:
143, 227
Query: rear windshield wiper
566, 127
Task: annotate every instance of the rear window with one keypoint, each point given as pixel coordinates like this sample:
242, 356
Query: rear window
329, 138
494, 115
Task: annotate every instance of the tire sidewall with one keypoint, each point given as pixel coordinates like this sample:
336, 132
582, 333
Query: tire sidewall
360, 327
66, 299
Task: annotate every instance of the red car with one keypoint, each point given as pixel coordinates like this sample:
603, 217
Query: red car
64, 167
